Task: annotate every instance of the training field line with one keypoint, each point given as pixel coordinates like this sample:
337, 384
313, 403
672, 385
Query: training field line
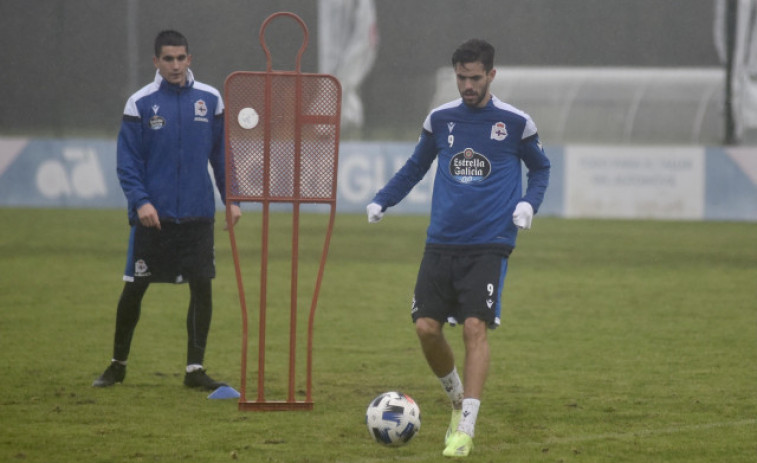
631, 434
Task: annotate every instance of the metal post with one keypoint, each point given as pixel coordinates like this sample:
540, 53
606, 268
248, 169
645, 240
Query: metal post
730, 42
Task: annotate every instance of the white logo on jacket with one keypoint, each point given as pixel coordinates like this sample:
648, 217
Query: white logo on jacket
201, 110
499, 131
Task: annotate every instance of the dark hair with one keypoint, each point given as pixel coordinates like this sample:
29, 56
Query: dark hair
474, 50
170, 39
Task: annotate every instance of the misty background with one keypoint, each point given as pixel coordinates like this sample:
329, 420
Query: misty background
68, 66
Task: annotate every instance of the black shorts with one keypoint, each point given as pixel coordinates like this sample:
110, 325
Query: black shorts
455, 283
174, 254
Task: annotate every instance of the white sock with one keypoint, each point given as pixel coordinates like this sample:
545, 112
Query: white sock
454, 388
470, 415
193, 367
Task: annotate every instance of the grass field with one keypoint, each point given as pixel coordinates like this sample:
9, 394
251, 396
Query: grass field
622, 341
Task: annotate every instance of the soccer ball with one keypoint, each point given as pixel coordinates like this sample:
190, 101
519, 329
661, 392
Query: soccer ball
393, 418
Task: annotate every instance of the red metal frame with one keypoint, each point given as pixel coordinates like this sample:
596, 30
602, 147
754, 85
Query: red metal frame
266, 197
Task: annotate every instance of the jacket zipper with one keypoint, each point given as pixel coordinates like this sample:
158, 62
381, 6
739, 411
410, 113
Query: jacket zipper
177, 219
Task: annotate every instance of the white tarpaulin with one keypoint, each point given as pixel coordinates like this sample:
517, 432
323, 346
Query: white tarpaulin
347, 44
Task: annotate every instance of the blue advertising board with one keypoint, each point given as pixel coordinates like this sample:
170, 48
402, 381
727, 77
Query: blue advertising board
591, 181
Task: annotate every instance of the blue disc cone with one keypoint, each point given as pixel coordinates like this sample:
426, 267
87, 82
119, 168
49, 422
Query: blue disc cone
224, 392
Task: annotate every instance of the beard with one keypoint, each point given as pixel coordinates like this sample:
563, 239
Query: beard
473, 98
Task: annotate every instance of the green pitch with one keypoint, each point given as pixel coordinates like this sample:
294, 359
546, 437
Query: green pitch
622, 341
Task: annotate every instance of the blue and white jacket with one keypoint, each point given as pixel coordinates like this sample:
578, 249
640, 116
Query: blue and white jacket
168, 134
479, 152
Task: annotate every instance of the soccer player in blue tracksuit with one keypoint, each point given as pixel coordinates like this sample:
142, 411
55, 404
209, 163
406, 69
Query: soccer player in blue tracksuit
171, 129
478, 205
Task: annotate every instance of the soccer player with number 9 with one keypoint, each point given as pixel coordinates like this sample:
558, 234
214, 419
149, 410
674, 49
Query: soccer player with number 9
477, 208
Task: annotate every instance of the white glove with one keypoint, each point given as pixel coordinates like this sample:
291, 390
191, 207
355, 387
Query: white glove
523, 214
374, 212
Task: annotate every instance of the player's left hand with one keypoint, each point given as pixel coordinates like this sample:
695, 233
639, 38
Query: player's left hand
148, 216
523, 214
236, 214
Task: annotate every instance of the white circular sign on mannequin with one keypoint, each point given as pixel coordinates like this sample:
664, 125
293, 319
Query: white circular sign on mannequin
248, 118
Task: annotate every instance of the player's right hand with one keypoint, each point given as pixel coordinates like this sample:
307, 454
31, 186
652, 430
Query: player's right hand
375, 212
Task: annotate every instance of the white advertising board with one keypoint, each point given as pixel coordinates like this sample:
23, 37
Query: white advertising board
660, 182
